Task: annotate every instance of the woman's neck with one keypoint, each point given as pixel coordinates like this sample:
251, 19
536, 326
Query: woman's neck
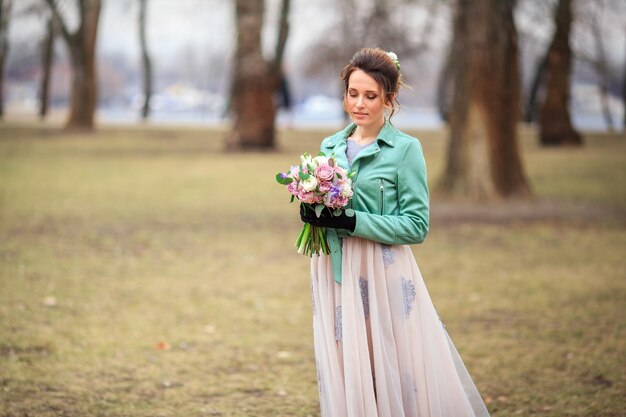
367, 134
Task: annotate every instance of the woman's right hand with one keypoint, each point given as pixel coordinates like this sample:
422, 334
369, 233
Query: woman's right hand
326, 218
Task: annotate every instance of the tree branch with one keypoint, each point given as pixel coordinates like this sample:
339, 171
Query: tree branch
61, 24
283, 33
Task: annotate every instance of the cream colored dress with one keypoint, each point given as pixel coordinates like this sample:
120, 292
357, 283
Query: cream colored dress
380, 348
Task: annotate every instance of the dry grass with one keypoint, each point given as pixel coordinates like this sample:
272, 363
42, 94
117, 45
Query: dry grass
116, 244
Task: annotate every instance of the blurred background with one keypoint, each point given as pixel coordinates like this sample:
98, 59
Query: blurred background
147, 259
191, 47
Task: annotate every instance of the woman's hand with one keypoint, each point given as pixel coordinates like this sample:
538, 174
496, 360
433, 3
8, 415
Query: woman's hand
326, 218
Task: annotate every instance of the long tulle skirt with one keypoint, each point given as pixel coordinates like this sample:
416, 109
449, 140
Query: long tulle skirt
380, 348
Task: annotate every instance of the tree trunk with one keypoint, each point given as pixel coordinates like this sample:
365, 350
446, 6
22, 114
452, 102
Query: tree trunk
602, 71
445, 87
255, 81
556, 125
145, 59
624, 94
531, 102
483, 159
47, 58
82, 44
5, 15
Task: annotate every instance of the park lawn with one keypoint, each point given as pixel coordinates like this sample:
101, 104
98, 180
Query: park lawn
144, 272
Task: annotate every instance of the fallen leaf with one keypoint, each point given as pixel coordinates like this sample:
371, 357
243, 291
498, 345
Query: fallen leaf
171, 384
283, 354
49, 301
162, 346
601, 380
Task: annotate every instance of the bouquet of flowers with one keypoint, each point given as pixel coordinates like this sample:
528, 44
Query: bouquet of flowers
319, 183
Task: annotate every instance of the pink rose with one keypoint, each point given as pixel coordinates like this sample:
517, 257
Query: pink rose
292, 187
306, 197
325, 186
339, 170
324, 172
341, 201
336, 202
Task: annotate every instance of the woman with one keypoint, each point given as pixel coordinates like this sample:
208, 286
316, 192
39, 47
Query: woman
380, 348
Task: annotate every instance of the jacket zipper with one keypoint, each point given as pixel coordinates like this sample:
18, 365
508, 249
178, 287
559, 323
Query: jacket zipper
382, 195
355, 182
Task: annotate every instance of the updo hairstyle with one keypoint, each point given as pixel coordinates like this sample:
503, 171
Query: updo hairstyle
376, 63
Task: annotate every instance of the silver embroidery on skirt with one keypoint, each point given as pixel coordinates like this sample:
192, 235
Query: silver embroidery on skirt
387, 255
408, 290
338, 330
364, 297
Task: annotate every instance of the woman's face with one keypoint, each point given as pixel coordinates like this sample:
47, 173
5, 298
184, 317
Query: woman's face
364, 100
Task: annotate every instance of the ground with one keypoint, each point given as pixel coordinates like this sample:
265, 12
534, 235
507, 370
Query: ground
144, 272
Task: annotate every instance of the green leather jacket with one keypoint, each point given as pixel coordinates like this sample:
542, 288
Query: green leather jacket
390, 190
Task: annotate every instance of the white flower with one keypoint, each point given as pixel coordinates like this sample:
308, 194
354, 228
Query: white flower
395, 59
319, 160
306, 159
309, 184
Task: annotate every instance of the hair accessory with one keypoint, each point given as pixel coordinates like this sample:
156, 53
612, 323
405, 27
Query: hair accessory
394, 58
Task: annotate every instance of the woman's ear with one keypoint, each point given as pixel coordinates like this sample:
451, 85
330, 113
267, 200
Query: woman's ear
390, 99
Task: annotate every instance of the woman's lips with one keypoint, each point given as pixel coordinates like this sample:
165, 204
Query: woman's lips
357, 114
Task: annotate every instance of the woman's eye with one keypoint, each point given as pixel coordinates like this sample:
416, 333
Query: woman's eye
371, 97
352, 94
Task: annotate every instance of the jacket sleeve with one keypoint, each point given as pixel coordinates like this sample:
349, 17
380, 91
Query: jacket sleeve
410, 226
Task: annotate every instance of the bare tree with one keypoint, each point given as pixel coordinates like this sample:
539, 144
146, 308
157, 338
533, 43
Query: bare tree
5, 15
445, 86
601, 67
389, 24
145, 59
556, 124
255, 80
47, 60
534, 22
81, 44
537, 80
598, 23
483, 159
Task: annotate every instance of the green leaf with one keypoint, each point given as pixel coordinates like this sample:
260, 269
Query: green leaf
292, 198
320, 153
283, 180
339, 175
318, 209
304, 176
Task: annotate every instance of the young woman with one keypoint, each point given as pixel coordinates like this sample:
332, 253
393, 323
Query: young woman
380, 348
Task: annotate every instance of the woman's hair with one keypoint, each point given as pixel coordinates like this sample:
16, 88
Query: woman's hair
377, 64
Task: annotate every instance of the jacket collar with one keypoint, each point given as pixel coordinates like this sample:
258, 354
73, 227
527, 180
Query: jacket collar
387, 134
